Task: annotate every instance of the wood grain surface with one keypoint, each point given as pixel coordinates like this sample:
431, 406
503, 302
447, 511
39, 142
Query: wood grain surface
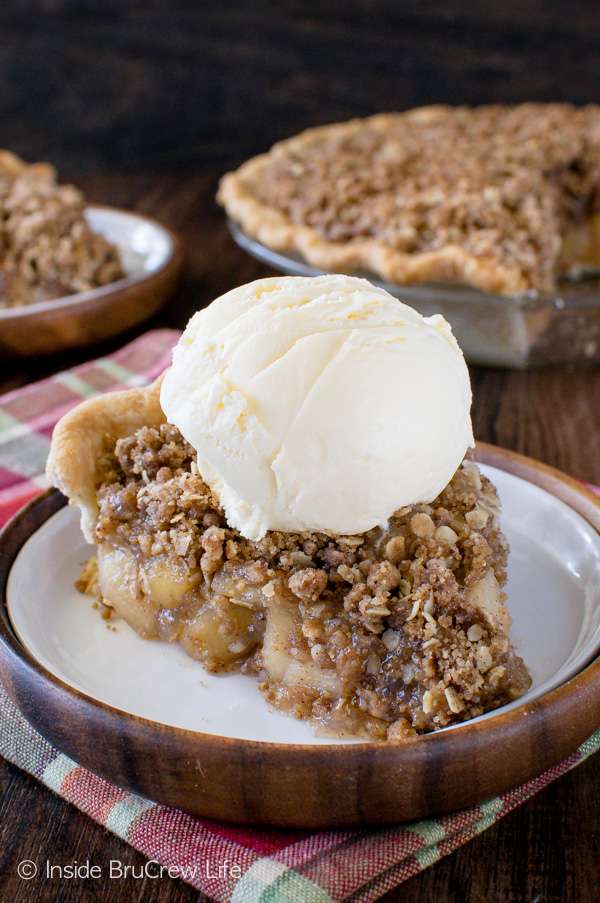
544, 852
164, 82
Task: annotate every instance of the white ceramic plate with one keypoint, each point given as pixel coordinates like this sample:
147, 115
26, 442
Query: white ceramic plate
145, 247
553, 596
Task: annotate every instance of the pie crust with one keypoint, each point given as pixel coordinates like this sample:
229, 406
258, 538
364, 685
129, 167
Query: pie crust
562, 242
384, 634
84, 436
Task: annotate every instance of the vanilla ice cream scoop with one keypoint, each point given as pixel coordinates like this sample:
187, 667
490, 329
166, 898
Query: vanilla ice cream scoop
319, 404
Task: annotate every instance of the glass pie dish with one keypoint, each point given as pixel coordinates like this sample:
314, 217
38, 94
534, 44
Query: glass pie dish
521, 332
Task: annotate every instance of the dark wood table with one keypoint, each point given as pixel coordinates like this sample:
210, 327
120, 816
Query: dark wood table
546, 851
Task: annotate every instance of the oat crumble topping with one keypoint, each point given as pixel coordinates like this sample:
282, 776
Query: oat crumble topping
391, 618
47, 248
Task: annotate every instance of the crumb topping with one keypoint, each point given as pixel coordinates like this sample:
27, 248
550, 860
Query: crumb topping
500, 182
47, 248
395, 616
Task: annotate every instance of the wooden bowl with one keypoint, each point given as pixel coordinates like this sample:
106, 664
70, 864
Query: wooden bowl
153, 259
300, 785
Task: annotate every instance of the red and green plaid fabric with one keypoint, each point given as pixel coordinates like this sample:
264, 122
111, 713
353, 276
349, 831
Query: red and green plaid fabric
271, 866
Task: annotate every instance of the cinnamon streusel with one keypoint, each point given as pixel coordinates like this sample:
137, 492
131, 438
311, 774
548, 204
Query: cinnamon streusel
47, 248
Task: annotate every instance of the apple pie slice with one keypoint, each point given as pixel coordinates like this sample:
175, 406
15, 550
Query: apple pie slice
47, 247
384, 634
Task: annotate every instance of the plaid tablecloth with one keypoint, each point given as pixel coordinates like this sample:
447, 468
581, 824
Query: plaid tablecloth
227, 863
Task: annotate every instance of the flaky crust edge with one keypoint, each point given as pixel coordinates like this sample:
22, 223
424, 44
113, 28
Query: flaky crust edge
83, 436
277, 231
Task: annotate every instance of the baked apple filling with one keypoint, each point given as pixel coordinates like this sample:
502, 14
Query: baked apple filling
399, 630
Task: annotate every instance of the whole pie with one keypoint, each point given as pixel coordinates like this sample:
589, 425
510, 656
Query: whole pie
503, 198
387, 632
